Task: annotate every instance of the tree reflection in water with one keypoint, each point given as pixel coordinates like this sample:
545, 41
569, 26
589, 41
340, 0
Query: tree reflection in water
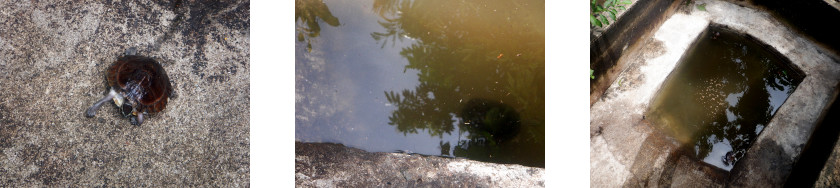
309, 13
481, 68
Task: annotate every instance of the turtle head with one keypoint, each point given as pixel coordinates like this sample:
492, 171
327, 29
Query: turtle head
128, 105
125, 105
128, 99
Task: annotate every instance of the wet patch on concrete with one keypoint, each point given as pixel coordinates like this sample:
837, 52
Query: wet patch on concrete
655, 151
8, 132
767, 156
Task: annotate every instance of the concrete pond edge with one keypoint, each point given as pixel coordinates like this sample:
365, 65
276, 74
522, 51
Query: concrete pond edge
620, 137
336, 165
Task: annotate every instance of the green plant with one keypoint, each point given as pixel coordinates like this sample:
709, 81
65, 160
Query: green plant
609, 8
702, 7
591, 76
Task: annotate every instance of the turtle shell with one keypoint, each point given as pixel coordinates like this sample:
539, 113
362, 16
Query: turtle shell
141, 80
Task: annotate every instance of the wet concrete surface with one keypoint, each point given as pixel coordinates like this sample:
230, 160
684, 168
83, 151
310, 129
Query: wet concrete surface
335, 165
53, 57
621, 138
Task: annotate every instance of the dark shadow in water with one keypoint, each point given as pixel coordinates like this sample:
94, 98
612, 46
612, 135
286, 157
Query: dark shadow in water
481, 67
492, 121
311, 13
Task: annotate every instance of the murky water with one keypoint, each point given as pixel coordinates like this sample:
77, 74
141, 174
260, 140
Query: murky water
722, 94
435, 77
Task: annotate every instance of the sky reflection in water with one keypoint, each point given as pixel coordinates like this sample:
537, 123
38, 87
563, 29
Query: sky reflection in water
461, 79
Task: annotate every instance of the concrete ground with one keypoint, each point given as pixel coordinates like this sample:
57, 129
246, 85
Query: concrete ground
626, 151
53, 56
334, 165
829, 176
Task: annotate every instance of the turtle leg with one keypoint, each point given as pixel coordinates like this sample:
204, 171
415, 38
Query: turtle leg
137, 120
130, 51
92, 110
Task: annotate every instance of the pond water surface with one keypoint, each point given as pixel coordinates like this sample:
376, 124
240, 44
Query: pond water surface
435, 77
722, 94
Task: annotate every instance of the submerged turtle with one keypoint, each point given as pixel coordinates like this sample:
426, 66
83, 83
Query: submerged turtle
138, 85
490, 119
729, 158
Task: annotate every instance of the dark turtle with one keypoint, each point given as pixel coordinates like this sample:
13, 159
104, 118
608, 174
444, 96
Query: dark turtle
490, 119
138, 85
729, 158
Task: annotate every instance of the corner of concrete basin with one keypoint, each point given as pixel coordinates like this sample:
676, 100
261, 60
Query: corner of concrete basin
336, 165
620, 136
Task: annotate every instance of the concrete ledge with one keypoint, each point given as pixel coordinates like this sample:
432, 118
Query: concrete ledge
334, 165
615, 132
606, 47
619, 133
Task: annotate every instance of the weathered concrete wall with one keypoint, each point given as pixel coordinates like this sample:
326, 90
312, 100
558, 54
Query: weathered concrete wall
53, 56
829, 175
609, 43
808, 17
815, 156
334, 165
619, 134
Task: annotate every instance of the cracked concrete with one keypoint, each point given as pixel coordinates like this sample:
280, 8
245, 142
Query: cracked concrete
53, 56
